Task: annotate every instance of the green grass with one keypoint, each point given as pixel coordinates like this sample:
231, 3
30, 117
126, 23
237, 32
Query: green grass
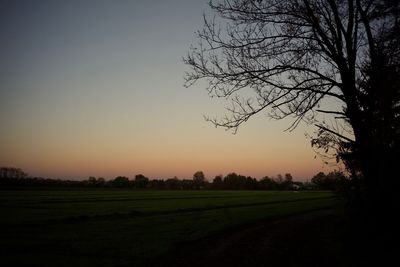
121, 228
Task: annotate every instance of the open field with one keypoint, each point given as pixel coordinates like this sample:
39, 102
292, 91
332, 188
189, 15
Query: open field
129, 228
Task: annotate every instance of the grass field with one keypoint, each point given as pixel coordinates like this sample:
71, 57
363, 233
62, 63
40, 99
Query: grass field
129, 228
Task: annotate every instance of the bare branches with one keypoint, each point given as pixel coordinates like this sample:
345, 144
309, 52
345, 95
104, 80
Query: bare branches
277, 49
283, 57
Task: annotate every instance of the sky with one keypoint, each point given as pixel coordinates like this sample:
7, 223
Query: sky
95, 88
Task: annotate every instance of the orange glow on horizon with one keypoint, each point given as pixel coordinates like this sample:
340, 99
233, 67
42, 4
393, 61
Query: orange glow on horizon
105, 97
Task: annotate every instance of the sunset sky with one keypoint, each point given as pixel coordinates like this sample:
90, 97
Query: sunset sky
95, 88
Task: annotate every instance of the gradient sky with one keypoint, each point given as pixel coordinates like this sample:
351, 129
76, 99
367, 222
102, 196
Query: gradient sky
95, 88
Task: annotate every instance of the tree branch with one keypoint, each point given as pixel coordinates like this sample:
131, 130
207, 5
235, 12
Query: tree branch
335, 133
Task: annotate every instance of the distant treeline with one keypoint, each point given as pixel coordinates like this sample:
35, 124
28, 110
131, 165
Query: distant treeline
14, 177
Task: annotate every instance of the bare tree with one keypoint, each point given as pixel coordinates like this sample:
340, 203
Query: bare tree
300, 58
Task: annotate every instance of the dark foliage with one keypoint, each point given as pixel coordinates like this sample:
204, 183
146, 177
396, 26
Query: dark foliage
232, 181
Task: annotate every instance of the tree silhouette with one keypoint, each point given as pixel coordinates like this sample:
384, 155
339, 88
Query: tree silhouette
334, 180
311, 60
199, 179
217, 182
11, 172
120, 181
141, 181
173, 183
235, 181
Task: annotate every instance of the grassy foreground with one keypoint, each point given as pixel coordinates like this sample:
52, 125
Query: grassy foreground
128, 228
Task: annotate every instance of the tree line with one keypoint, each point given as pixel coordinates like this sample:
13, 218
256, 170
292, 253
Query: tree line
335, 181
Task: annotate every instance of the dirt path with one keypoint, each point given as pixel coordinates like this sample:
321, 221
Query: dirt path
308, 239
